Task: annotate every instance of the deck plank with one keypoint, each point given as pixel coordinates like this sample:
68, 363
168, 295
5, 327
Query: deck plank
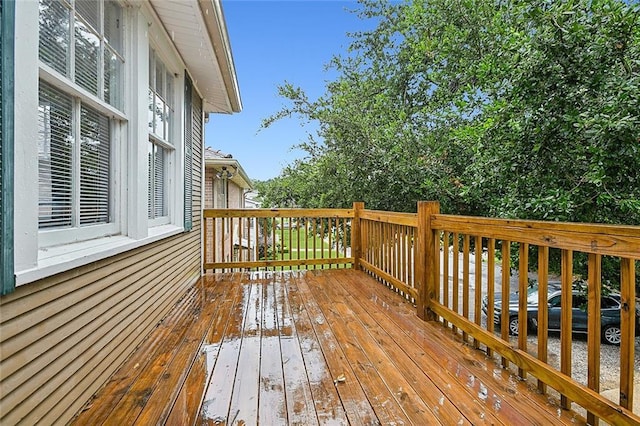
503, 390
217, 397
326, 400
396, 386
352, 396
404, 356
187, 406
265, 348
385, 406
120, 383
161, 401
272, 404
300, 405
246, 386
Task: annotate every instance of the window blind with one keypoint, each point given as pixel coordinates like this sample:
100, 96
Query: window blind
95, 164
54, 43
156, 195
55, 157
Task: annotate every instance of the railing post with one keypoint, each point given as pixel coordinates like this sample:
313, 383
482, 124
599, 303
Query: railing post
426, 258
356, 240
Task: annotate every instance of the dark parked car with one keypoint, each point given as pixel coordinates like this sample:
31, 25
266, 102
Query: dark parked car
609, 312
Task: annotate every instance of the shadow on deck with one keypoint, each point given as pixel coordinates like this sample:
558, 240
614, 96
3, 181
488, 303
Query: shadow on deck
310, 347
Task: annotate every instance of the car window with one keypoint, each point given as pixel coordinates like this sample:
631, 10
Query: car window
609, 303
579, 301
554, 302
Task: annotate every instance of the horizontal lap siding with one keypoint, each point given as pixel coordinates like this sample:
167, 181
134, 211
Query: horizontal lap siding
62, 337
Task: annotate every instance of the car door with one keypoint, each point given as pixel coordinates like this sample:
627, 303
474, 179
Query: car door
579, 312
554, 312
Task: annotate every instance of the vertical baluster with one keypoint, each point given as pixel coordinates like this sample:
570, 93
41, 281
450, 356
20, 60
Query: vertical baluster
465, 281
627, 326
543, 308
523, 284
445, 273
491, 282
566, 319
478, 285
593, 326
455, 275
504, 304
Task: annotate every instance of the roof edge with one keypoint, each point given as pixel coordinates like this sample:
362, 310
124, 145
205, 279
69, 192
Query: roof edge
234, 163
216, 27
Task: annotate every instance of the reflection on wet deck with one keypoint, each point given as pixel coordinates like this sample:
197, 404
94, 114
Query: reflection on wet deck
314, 347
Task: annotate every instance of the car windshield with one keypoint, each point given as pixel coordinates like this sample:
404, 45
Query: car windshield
532, 295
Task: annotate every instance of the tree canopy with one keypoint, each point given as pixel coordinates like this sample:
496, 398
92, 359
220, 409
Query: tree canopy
526, 109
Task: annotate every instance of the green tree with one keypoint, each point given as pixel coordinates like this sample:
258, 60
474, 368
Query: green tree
523, 109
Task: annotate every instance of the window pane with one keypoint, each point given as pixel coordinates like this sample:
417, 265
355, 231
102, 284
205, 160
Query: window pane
88, 11
113, 67
159, 176
95, 166
55, 158
54, 35
87, 52
113, 28
156, 196
169, 107
159, 117
159, 81
151, 115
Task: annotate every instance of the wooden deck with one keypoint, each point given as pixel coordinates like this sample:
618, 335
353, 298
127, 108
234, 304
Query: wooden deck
313, 347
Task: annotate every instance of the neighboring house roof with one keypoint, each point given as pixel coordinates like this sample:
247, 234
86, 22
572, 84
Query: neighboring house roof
198, 29
218, 160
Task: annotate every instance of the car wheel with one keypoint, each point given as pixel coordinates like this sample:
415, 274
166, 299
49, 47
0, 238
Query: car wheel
612, 334
513, 325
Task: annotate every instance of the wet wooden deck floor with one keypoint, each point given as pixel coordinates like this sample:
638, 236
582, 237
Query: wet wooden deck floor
316, 347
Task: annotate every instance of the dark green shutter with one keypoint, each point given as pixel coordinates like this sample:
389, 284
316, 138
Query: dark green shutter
7, 30
188, 154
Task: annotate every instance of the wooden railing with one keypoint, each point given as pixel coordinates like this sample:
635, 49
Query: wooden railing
427, 258
276, 239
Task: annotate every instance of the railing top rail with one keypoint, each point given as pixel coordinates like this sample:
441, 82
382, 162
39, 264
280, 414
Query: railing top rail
288, 213
614, 240
408, 219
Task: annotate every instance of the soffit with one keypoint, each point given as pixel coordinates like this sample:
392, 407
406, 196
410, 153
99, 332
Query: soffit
198, 30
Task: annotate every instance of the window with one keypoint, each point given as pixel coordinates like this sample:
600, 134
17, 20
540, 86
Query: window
83, 41
161, 119
157, 184
81, 54
74, 178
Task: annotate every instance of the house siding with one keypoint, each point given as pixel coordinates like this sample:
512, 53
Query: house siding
62, 337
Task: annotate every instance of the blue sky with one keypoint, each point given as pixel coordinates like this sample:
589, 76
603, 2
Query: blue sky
273, 42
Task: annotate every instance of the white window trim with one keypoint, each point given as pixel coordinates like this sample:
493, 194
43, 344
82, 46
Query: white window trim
33, 260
